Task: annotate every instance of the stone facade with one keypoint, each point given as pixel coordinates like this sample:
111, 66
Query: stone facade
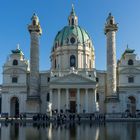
72, 84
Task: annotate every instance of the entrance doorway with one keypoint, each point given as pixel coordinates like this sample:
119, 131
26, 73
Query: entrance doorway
132, 104
14, 106
73, 101
72, 106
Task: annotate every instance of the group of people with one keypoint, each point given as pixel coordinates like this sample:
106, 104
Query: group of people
60, 117
41, 117
78, 117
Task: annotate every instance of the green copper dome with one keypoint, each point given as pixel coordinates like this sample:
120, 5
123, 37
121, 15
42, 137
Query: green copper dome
72, 34
64, 35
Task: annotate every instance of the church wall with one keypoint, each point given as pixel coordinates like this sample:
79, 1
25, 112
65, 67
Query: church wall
125, 93
123, 79
54, 99
44, 90
101, 75
44, 79
43, 103
101, 102
6, 98
7, 79
62, 55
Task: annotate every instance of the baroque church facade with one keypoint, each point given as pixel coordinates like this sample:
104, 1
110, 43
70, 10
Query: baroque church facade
72, 84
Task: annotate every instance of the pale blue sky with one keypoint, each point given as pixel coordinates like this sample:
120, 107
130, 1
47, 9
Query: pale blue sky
53, 14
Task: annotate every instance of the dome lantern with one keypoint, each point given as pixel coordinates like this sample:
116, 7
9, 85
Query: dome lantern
73, 19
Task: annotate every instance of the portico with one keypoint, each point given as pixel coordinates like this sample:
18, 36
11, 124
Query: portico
73, 96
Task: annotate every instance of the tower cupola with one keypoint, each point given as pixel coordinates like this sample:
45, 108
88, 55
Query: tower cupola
73, 19
35, 25
110, 24
35, 19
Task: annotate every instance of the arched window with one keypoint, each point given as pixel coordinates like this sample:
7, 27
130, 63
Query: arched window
72, 61
130, 62
72, 21
15, 62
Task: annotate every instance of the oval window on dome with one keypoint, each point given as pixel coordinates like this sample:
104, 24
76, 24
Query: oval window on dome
72, 40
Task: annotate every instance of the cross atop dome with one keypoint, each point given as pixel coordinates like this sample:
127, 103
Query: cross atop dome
72, 11
73, 19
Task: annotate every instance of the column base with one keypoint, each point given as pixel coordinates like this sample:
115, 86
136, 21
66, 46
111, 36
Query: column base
112, 104
33, 104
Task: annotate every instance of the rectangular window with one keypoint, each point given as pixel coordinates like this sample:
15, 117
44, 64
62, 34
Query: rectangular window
14, 79
130, 79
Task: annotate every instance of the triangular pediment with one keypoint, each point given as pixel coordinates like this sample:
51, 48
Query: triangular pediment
130, 71
73, 79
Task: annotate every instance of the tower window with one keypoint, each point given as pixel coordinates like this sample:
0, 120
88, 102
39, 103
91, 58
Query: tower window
72, 40
72, 21
130, 62
34, 22
14, 79
72, 61
111, 22
131, 79
15, 62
